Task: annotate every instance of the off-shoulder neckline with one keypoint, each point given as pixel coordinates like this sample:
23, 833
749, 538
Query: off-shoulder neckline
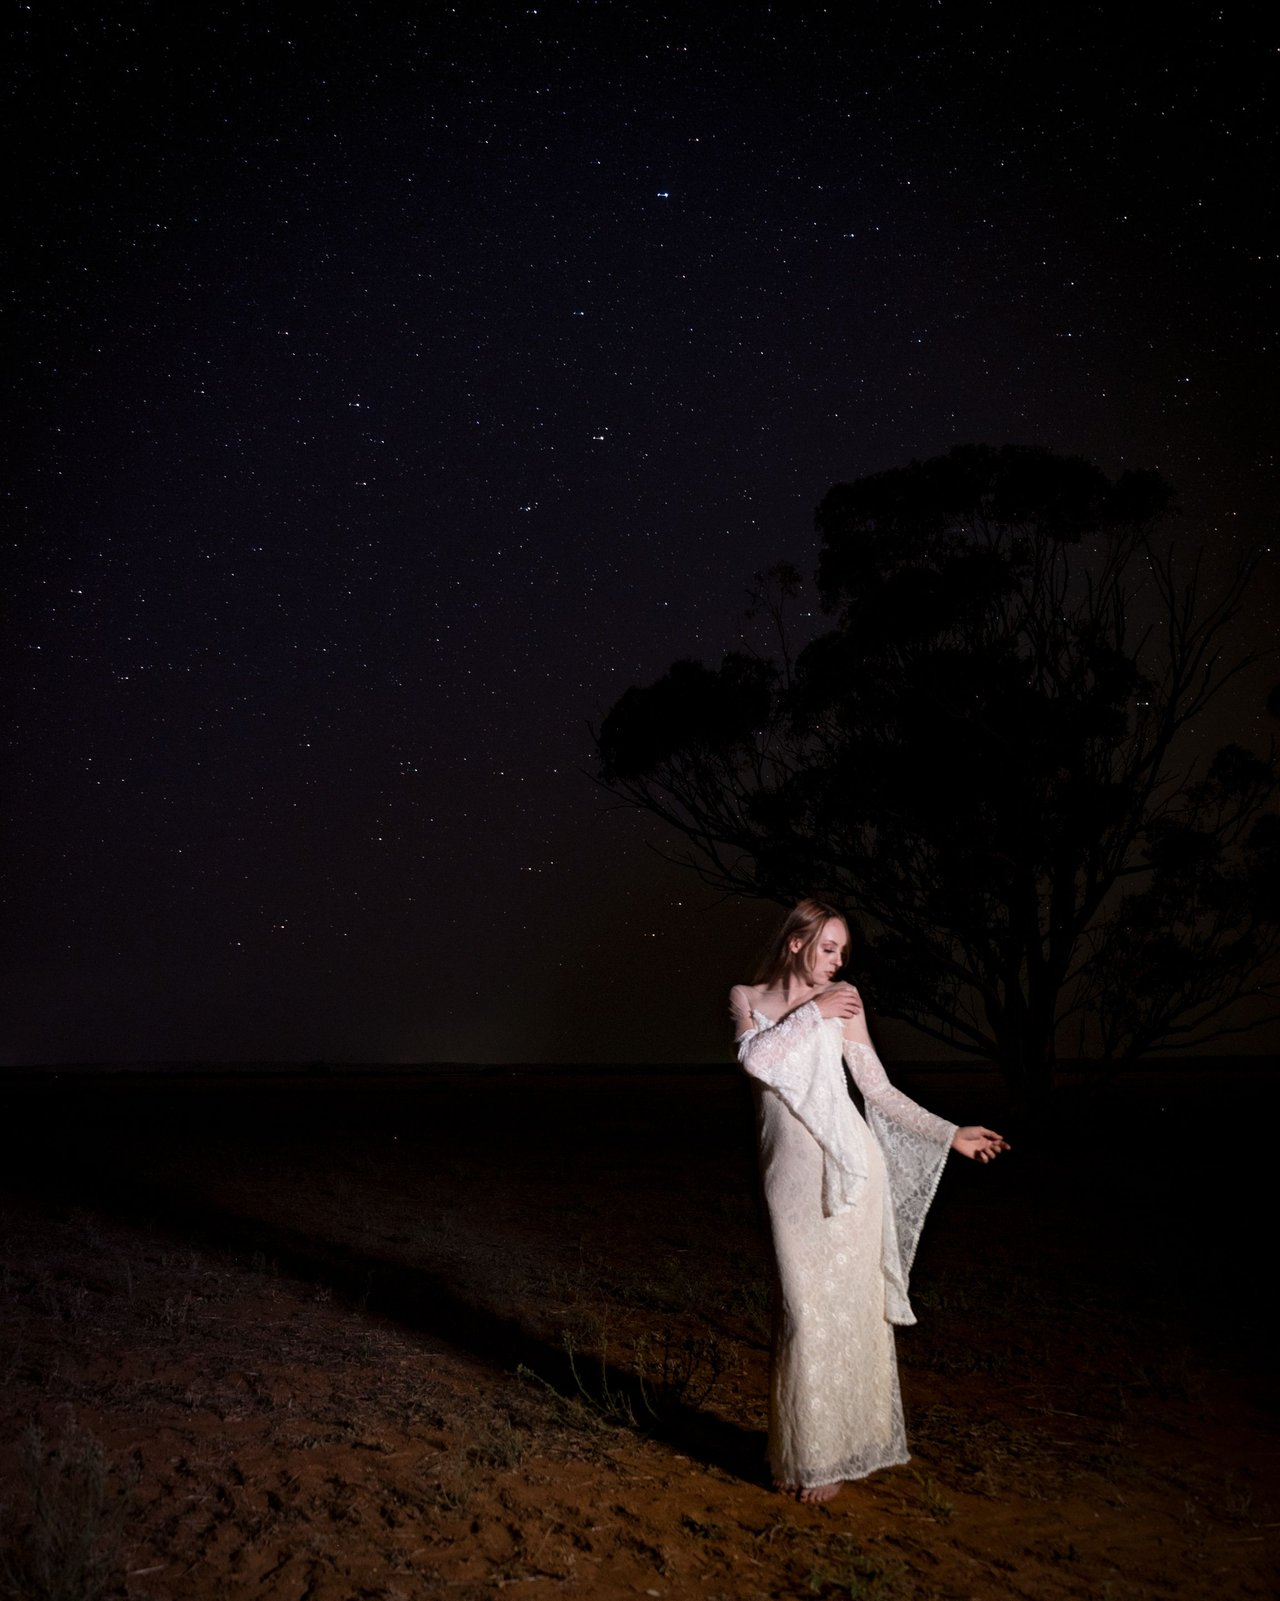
773, 1021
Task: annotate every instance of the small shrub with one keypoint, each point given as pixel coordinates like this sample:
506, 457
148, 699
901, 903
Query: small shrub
677, 1370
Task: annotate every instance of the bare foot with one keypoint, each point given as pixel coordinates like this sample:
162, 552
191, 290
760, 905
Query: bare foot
816, 1494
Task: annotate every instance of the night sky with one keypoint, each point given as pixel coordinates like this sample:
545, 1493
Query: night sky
395, 385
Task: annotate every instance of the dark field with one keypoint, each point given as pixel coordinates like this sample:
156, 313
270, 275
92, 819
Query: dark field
454, 1335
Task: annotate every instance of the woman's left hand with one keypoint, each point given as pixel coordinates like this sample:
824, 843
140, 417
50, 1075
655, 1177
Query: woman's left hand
978, 1143
838, 1000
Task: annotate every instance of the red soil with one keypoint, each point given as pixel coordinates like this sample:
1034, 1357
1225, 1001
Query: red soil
451, 1336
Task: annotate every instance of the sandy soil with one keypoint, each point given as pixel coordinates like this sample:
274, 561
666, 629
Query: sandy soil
328, 1338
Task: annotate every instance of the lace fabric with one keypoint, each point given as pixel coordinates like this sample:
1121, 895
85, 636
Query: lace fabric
846, 1202
914, 1144
799, 1059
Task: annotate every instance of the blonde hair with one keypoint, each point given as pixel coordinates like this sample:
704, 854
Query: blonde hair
805, 923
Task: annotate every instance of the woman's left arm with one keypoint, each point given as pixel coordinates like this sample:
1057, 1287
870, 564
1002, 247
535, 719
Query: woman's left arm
978, 1143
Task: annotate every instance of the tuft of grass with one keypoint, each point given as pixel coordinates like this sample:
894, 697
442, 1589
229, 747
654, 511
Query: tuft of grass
92, 1234
611, 1404
1169, 1377
68, 1549
666, 1287
700, 1530
453, 1490
1236, 1500
935, 1504
176, 1314
499, 1446
578, 1413
857, 1576
752, 1297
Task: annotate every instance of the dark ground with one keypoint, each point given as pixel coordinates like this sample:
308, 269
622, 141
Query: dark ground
330, 1336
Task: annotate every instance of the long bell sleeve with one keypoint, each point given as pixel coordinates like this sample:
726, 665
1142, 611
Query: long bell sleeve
798, 1059
873, 1084
914, 1144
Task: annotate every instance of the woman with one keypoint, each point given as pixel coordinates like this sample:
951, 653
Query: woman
846, 1198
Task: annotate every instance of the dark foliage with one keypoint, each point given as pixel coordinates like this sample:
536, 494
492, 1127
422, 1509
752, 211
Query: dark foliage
987, 760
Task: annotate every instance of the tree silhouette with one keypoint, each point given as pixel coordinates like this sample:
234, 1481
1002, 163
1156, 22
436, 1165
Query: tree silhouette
990, 759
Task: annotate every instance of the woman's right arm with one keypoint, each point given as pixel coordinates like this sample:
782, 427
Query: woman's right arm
763, 1050
740, 1010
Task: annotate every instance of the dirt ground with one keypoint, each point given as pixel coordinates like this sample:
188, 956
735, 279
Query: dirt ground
339, 1336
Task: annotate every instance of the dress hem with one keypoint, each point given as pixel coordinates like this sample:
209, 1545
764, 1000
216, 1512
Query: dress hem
844, 1475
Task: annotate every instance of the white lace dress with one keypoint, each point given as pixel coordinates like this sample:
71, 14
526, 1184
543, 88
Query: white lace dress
847, 1199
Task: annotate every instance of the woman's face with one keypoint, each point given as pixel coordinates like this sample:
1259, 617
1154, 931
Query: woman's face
828, 954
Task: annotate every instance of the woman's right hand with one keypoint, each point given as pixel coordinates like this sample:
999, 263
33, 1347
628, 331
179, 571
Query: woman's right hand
839, 1000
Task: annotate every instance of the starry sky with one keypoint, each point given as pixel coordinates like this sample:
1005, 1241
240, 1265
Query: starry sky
392, 386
